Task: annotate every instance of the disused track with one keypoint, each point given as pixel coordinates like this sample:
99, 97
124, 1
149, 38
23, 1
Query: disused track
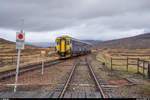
27, 68
64, 90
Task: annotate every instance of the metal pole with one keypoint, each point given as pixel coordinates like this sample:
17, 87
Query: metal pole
17, 70
42, 64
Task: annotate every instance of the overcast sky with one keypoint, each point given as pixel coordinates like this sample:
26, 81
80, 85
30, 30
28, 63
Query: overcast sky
44, 20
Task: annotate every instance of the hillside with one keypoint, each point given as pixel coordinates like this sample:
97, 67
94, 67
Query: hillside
5, 41
136, 42
30, 55
32, 44
93, 41
8, 47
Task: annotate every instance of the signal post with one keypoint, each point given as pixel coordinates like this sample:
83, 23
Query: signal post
43, 53
20, 38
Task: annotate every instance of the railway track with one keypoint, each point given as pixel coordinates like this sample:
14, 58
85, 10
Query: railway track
68, 82
27, 68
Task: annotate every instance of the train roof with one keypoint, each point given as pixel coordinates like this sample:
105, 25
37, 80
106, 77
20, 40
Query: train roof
76, 39
81, 41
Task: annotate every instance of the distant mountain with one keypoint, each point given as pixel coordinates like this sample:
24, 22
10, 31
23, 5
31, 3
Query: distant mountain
41, 44
93, 41
5, 41
52, 44
36, 44
136, 42
46, 44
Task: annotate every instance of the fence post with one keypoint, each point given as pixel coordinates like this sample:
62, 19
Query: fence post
138, 65
0, 61
127, 64
148, 70
143, 67
111, 63
12, 59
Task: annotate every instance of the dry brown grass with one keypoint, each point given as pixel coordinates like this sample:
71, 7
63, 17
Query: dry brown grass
8, 55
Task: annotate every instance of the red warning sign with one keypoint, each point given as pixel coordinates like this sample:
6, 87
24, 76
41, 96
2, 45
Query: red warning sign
20, 36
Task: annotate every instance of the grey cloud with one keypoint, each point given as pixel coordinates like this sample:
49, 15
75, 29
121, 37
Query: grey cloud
80, 16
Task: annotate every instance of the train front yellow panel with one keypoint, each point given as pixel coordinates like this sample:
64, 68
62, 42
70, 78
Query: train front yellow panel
62, 46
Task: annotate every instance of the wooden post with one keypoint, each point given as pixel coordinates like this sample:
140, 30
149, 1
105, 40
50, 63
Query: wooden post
127, 64
111, 63
148, 72
0, 61
12, 59
143, 67
138, 65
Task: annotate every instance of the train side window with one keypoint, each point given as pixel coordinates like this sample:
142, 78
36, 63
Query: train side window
58, 42
67, 42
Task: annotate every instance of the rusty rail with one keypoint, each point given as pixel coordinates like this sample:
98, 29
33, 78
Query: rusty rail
96, 80
67, 82
70, 77
26, 68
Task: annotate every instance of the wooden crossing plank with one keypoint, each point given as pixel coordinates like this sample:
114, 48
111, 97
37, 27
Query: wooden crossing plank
29, 95
18, 94
2, 93
113, 95
38, 94
49, 94
7, 95
74, 95
90, 95
21, 94
81, 95
43, 95
67, 95
98, 95
55, 95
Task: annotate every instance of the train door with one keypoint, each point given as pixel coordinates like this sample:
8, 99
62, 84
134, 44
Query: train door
63, 44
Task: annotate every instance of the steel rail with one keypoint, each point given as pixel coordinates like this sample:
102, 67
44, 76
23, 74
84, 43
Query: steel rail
67, 82
30, 67
33, 64
97, 83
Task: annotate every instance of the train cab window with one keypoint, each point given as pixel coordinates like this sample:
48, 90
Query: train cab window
67, 42
58, 42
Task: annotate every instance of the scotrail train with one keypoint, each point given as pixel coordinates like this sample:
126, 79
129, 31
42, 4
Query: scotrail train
68, 47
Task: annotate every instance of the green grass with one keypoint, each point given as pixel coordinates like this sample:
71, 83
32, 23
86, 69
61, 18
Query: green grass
131, 68
100, 58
